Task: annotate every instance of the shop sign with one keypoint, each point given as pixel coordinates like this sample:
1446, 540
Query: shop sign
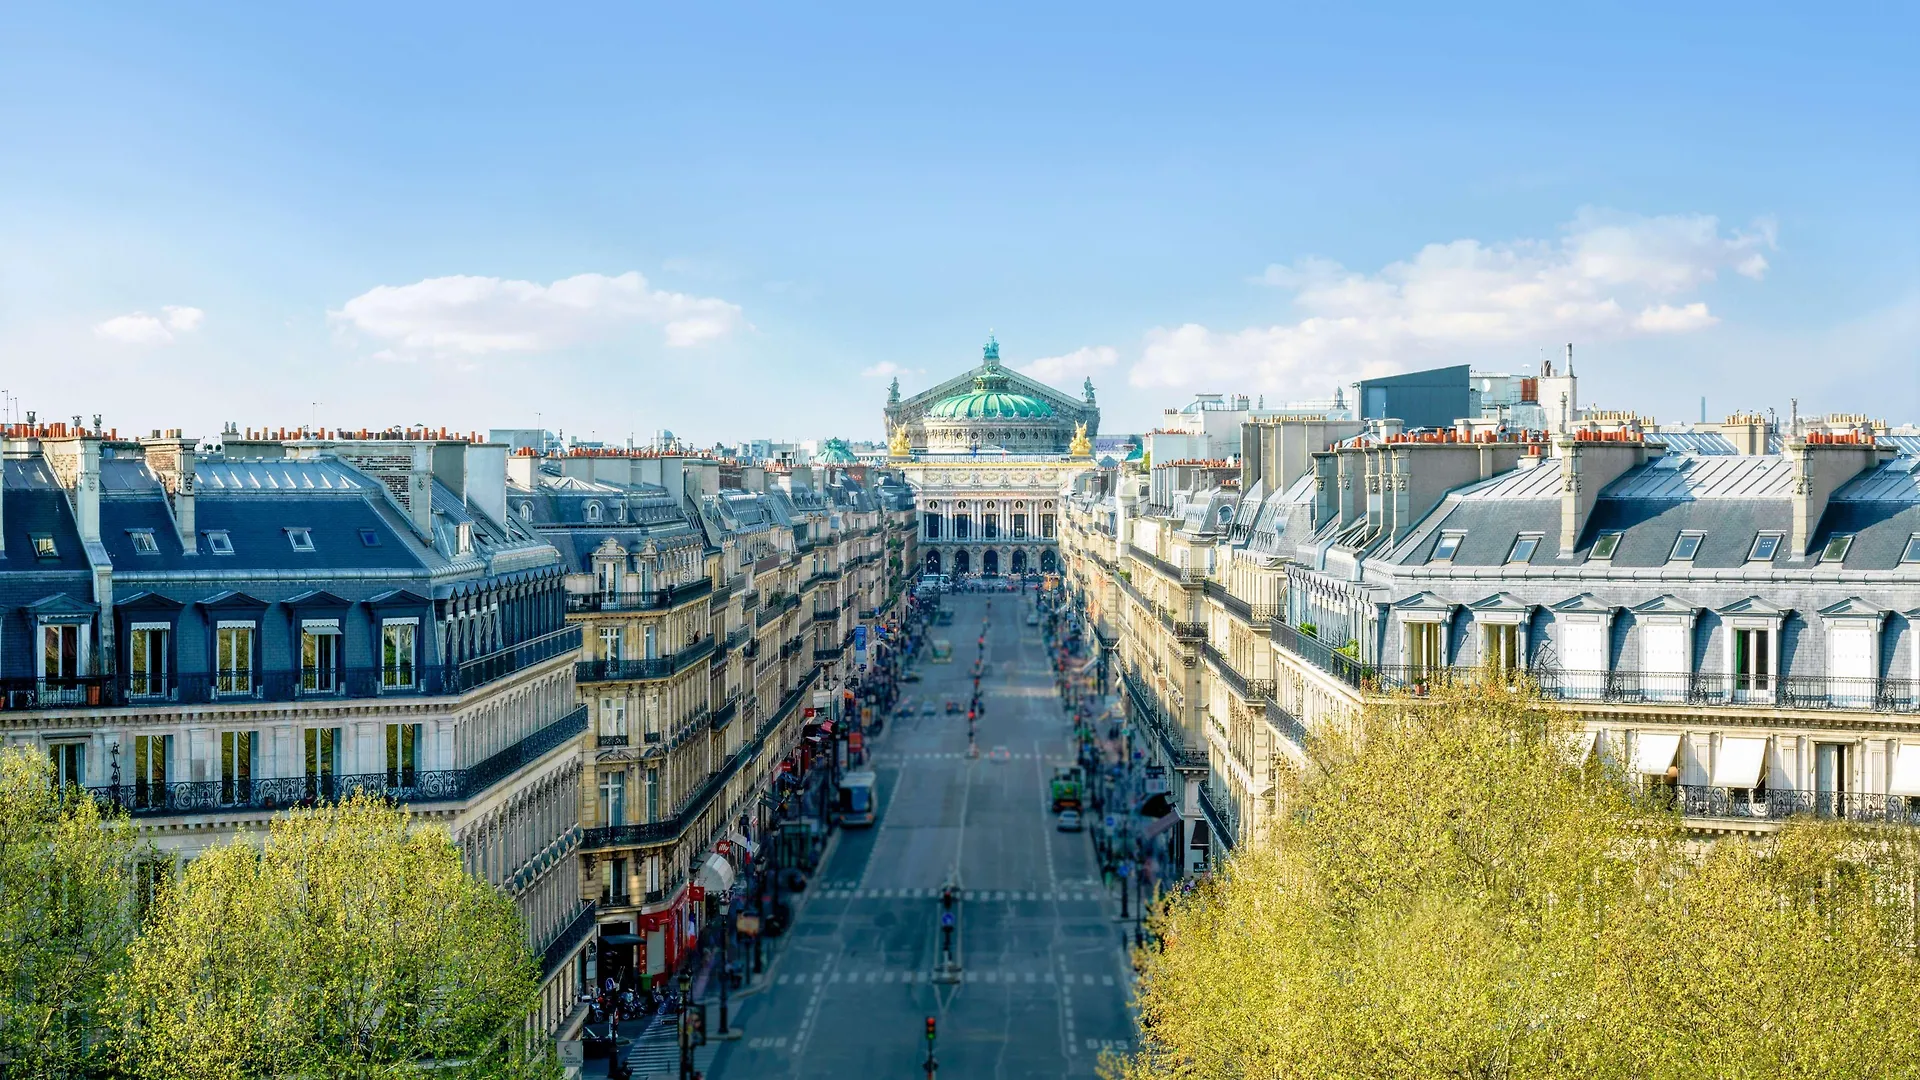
696, 892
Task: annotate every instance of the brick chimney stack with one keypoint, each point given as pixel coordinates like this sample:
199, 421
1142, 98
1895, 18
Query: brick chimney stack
171, 460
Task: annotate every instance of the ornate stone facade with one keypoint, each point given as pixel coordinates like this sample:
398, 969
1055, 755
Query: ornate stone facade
988, 453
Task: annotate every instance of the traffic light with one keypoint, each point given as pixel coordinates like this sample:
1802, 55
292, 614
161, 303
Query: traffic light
946, 898
929, 1029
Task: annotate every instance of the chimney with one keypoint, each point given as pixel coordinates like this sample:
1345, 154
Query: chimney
1822, 464
171, 459
75, 461
1587, 466
420, 490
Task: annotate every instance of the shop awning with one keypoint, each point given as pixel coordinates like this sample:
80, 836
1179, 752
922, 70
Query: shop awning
739, 840
1161, 825
716, 874
1156, 805
1653, 752
1906, 771
1740, 763
622, 939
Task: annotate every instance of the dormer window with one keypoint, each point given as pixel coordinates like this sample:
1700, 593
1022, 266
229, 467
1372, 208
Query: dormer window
1765, 547
43, 547
219, 542
143, 543
300, 538
619, 511
1836, 549
1447, 546
593, 511
1523, 548
1686, 546
526, 511
463, 537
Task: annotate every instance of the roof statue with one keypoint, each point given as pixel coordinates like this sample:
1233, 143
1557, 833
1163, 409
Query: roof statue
991, 352
900, 444
1081, 446
1088, 386
893, 391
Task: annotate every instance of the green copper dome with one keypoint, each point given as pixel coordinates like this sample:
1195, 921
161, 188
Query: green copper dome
990, 398
835, 452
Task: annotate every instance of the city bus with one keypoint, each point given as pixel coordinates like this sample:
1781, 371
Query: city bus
855, 802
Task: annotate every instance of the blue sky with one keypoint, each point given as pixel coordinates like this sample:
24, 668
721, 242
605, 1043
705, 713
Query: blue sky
737, 220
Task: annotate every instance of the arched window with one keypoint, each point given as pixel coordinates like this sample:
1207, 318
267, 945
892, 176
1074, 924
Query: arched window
526, 511
593, 511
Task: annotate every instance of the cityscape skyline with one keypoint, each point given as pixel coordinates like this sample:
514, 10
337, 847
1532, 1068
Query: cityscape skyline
298, 211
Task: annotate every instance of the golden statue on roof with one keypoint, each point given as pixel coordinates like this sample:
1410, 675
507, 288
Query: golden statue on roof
899, 444
1081, 446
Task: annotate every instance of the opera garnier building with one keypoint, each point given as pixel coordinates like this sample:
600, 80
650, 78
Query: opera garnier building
987, 453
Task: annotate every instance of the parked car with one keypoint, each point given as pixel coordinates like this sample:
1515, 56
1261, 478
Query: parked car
929, 709
953, 706
1033, 620
1069, 821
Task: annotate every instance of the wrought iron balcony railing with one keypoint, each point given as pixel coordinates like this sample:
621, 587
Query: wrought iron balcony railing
252, 794
647, 600
660, 668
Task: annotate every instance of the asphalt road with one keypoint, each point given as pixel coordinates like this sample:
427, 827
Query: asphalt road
1044, 981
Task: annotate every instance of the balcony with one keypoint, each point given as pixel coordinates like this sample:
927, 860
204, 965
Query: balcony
1190, 631
826, 614
822, 655
725, 713
590, 671
1340, 665
1164, 729
1287, 724
568, 939
666, 829
646, 600
1219, 813
1761, 804
607, 741
250, 685
282, 793
775, 607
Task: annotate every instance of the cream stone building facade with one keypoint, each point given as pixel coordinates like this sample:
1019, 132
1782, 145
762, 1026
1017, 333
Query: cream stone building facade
987, 454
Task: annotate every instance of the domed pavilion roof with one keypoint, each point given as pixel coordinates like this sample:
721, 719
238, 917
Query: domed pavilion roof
991, 398
835, 452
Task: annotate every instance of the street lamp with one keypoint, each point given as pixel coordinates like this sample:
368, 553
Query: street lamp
686, 1025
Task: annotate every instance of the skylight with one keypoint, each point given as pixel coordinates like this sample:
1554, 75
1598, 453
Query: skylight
1523, 549
1687, 546
1765, 547
1604, 545
1448, 544
1836, 549
143, 543
1912, 554
219, 542
300, 538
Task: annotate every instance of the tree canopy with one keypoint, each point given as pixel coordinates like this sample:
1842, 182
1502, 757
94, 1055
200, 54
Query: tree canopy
348, 941
1453, 892
68, 910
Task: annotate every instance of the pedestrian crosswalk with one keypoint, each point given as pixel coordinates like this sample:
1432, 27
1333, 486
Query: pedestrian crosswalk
987, 976
949, 755
656, 1052
1057, 895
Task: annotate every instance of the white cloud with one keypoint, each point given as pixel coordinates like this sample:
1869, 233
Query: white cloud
140, 328
463, 316
887, 369
1078, 364
1607, 276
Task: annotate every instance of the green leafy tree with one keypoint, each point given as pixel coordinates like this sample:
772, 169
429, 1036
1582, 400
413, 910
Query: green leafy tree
1448, 895
68, 912
346, 942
